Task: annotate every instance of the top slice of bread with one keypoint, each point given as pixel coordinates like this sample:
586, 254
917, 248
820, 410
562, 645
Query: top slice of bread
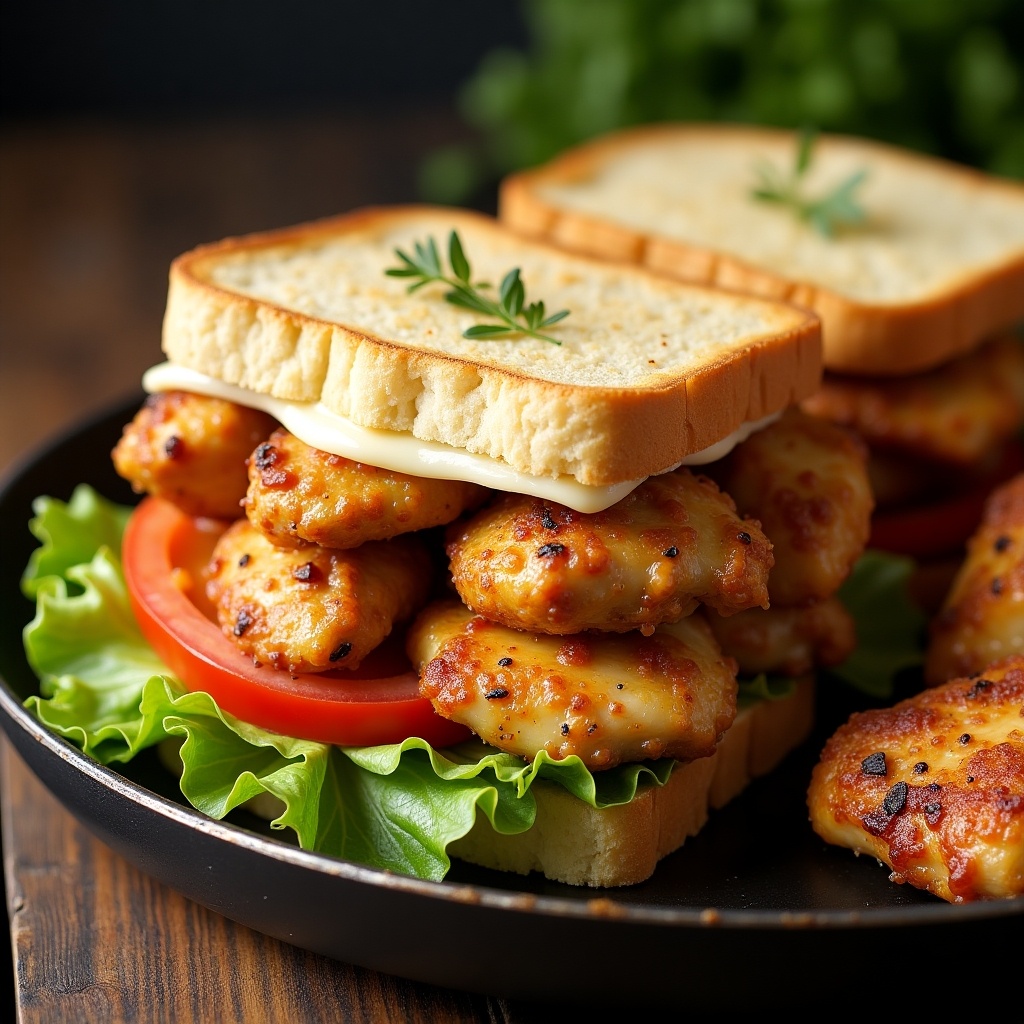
649, 370
936, 266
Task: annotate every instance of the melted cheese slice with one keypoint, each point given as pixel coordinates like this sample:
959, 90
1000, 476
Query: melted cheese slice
402, 453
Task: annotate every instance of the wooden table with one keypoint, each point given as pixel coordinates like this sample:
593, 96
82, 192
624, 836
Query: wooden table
90, 218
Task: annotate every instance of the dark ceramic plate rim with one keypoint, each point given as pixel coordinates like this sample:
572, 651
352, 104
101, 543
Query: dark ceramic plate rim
594, 906
512, 901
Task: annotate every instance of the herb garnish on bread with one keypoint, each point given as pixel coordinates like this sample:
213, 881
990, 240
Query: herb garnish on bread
648, 372
576, 643
936, 263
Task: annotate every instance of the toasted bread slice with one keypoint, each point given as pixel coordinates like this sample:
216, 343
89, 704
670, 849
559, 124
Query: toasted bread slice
937, 265
648, 370
575, 843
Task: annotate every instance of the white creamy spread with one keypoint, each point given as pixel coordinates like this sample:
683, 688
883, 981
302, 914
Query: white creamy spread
403, 453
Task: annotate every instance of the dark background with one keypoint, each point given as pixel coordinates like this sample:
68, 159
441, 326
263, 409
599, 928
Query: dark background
131, 130
173, 58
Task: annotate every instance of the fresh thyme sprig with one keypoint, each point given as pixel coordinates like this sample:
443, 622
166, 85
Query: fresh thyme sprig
509, 307
825, 214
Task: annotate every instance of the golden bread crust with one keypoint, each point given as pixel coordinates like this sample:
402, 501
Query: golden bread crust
649, 370
870, 329
575, 843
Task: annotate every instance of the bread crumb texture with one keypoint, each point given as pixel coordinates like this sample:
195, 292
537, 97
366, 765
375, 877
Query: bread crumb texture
648, 369
936, 265
926, 226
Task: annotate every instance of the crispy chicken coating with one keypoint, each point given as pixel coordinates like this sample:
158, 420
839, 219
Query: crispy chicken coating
806, 481
955, 413
934, 787
607, 698
191, 450
313, 609
790, 641
982, 617
673, 542
299, 494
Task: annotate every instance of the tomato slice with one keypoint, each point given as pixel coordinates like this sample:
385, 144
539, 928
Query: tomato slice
942, 527
928, 531
163, 551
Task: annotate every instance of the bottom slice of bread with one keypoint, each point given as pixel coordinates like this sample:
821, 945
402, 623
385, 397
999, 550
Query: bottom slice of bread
575, 843
572, 842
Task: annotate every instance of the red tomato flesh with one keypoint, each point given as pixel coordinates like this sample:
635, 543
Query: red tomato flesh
942, 527
163, 553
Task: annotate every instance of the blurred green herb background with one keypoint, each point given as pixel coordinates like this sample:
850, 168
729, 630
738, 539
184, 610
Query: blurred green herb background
940, 76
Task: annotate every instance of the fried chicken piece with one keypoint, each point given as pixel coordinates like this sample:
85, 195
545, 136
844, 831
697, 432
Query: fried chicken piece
607, 698
934, 787
982, 617
790, 641
191, 450
299, 494
313, 609
806, 481
673, 542
955, 413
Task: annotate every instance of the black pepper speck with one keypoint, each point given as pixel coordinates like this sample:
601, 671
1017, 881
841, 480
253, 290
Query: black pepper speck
896, 799
306, 573
550, 550
341, 651
921, 767
874, 764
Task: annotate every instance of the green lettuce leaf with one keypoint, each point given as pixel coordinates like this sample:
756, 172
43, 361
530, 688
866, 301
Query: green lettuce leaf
396, 806
71, 533
890, 626
764, 686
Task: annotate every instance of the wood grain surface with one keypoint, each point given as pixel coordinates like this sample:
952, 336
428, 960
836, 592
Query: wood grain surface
91, 215
96, 940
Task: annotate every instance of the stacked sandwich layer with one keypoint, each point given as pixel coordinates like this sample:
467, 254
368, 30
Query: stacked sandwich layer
606, 637
915, 287
916, 268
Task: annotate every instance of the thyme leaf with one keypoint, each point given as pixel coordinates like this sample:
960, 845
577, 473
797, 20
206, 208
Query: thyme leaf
825, 213
509, 307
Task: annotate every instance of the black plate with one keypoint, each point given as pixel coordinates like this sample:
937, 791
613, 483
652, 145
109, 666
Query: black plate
754, 912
